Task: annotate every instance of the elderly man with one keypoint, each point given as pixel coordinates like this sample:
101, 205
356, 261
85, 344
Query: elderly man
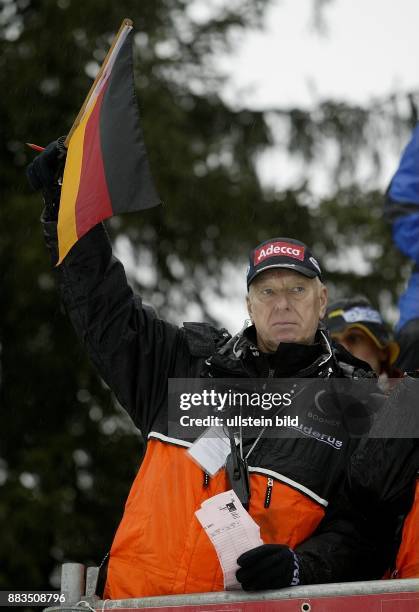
160, 547
286, 300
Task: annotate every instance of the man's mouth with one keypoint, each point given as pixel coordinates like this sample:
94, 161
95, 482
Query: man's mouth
284, 324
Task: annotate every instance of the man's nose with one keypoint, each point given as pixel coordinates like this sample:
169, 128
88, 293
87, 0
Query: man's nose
282, 301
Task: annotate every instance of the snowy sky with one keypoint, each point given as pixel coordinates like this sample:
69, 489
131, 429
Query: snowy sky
370, 49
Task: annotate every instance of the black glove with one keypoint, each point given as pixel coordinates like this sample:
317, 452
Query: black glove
45, 171
270, 566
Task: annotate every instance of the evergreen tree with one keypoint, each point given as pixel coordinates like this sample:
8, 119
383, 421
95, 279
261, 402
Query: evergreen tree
68, 453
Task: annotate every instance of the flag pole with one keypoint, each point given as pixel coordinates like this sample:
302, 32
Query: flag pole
125, 23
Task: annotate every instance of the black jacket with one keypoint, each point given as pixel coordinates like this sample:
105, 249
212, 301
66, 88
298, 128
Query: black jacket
135, 352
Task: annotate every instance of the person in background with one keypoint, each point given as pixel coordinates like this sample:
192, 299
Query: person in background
393, 495
402, 211
360, 329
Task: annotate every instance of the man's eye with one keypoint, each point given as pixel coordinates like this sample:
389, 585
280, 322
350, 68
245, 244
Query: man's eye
267, 291
297, 290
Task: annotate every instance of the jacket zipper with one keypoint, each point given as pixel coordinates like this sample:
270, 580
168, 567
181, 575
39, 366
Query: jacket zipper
268, 495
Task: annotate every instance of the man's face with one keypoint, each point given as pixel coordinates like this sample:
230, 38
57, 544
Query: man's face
361, 346
285, 306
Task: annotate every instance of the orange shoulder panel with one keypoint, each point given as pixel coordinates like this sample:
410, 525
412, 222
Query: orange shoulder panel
407, 562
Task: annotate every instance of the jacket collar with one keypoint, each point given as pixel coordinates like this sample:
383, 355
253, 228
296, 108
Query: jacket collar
241, 356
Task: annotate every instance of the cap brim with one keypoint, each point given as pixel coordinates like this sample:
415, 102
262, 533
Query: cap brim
391, 347
393, 352
335, 321
288, 266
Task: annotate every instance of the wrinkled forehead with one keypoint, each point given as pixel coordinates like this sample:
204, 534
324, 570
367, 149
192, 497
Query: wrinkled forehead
280, 275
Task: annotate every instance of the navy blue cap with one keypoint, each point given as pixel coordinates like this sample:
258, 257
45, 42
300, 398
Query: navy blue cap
282, 253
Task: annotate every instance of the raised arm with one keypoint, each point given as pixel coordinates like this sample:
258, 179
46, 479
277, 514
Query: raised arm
133, 350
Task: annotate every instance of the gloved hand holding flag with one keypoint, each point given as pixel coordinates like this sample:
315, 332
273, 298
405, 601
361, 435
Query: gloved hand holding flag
106, 170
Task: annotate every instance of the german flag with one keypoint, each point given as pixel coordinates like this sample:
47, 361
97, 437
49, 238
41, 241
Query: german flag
106, 169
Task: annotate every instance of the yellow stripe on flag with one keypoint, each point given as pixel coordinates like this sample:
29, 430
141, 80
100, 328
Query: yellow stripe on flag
67, 231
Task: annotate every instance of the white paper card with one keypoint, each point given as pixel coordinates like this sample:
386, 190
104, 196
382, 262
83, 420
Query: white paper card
211, 449
231, 530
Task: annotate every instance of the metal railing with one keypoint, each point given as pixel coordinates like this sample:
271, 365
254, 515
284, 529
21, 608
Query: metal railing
79, 590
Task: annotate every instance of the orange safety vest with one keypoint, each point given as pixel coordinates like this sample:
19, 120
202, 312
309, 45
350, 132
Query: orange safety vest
160, 547
407, 562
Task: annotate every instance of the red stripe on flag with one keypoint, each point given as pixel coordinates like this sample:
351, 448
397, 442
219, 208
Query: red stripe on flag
93, 202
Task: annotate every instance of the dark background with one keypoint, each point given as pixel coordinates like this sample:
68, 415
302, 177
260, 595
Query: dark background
67, 452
